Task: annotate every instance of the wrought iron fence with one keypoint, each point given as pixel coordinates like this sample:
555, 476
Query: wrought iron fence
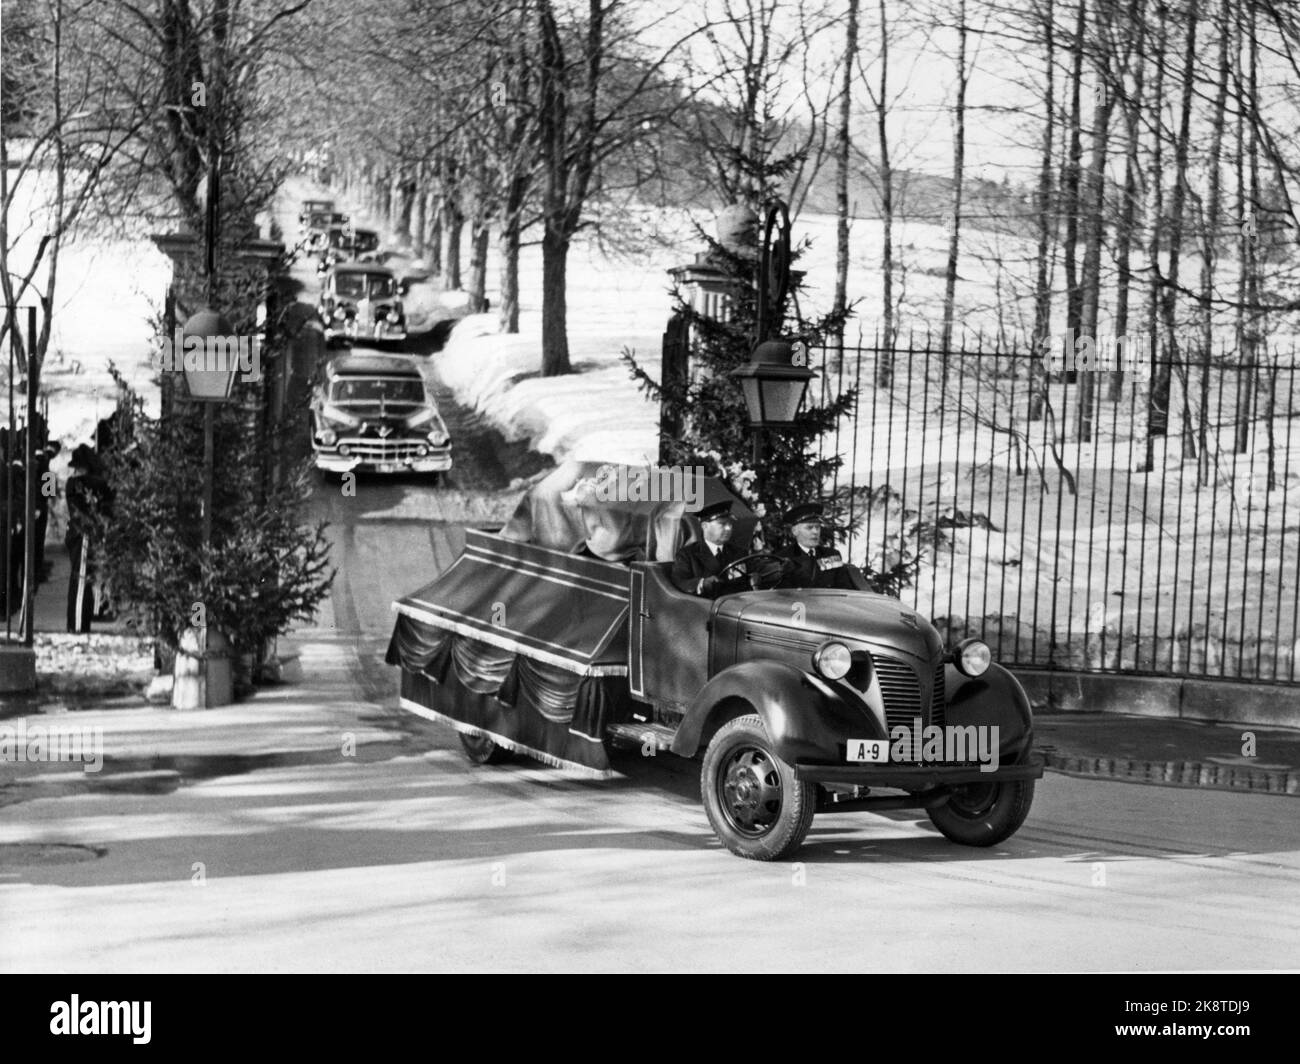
1142, 522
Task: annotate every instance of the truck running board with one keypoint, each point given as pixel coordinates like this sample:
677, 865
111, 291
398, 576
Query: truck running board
639, 734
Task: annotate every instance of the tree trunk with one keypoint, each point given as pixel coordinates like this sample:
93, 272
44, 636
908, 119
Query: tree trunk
1249, 283
1158, 386
480, 234
885, 365
555, 337
1070, 184
1209, 248
404, 194
840, 304
453, 226
1132, 109
1094, 197
433, 234
1177, 199
1046, 228
419, 222
958, 170
509, 244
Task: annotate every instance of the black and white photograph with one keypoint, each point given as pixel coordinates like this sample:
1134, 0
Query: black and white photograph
633, 486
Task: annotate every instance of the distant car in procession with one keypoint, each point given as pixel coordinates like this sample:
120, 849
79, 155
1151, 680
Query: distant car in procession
347, 244
375, 412
315, 227
563, 633
361, 301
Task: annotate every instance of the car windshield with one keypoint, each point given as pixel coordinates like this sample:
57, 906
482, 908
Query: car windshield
359, 285
350, 285
373, 389
382, 287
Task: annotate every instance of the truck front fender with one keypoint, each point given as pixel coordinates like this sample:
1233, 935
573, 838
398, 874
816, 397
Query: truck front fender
806, 717
995, 699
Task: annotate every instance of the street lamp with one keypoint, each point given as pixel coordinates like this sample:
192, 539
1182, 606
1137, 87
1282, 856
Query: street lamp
208, 381
773, 386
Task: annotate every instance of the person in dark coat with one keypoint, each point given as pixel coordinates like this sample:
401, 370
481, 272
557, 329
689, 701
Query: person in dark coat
88, 496
43, 449
697, 566
807, 561
13, 509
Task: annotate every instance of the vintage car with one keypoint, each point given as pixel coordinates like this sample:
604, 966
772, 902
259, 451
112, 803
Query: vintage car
316, 227
562, 633
375, 412
314, 206
347, 244
361, 301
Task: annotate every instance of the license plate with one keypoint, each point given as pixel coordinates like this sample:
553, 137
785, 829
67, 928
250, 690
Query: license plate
872, 750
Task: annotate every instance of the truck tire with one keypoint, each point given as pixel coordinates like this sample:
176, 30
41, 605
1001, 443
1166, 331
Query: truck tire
482, 750
984, 814
756, 806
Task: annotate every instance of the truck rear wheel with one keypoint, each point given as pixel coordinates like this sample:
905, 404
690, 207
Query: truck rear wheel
756, 806
482, 750
984, 814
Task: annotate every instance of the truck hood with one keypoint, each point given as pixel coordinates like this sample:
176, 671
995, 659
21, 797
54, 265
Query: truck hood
854, 616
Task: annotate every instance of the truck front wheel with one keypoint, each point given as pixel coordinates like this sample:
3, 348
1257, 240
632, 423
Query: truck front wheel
983, 814
756, 806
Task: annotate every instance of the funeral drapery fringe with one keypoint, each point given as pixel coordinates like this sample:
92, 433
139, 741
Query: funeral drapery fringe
533, 707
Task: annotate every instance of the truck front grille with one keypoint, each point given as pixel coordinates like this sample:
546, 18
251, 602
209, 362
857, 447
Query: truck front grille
901, 690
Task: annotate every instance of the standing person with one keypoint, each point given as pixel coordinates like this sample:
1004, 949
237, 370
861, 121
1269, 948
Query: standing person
697, 565
88, 497
42, 451
807, 562
13, 508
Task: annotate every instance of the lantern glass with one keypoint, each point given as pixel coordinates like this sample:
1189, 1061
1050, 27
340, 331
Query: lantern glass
209, 366
749, 386
781, 398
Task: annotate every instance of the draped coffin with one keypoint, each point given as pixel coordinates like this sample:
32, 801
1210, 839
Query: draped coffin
522, 643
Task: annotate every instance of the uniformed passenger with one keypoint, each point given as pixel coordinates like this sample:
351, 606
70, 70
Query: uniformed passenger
810, 563
697, 566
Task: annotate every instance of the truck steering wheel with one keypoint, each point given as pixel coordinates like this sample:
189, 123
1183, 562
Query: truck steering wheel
768, 576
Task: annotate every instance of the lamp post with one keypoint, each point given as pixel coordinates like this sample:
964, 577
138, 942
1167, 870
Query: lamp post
208, 379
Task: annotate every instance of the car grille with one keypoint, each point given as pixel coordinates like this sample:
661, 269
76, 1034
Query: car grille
901, 690
376, 450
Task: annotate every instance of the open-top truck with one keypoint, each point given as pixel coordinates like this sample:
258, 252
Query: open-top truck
562, 633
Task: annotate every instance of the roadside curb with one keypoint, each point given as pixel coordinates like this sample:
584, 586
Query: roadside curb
1174, 773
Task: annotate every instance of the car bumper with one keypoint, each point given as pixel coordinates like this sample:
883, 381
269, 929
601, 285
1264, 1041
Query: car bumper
916, 777
334, 463
378, 331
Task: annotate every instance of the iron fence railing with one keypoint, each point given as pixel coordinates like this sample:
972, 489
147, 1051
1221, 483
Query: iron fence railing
1041, 511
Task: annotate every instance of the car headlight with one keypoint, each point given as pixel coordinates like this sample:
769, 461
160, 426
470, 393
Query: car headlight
972, 657
832, 660
439, 438
340, 313
327, 437
394, 317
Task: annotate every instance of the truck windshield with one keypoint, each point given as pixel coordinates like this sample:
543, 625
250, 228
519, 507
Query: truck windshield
373, 389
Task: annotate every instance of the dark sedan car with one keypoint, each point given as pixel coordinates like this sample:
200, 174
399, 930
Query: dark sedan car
375, 412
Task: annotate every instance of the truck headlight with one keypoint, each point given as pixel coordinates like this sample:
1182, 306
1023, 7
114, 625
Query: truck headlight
832, 660
972, 657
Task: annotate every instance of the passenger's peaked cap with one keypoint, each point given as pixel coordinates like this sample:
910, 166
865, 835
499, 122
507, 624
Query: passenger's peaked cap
805, 511
715, 511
